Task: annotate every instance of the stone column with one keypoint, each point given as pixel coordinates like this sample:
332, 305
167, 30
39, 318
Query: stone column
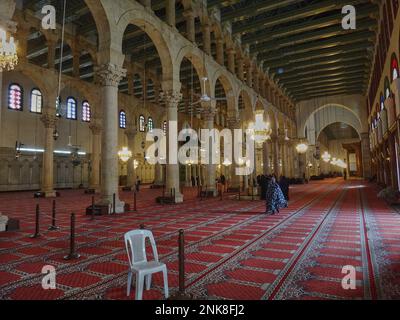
190, 25
22, 48
206, 38
275, 150
75, 62
130, 165
220, 51
231, 60
234, 123
240, 69
172, 99
94, 182
170, 10
250, 75
51, 54
266, 153
366, 155
131, 89
209, 115
158, 175
109, 75
49, 122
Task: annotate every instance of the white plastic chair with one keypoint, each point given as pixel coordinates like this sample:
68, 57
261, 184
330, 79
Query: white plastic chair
135, 243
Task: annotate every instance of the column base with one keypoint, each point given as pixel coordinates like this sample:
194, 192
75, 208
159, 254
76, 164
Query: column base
178, 197
46, 194
119, 205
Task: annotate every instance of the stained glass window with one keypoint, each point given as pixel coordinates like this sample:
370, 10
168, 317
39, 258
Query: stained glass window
36, 101
15, 95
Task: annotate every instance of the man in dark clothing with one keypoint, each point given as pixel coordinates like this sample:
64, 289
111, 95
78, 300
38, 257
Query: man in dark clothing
263, 184
284, 184
193, 181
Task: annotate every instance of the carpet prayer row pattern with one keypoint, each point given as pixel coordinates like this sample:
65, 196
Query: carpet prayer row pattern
233, 250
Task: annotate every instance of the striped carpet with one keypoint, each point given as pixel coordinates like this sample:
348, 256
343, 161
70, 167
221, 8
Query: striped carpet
233, 250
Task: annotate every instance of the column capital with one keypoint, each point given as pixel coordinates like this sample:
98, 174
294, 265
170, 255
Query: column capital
234, 122
209, 113
95, 128
171, 98
131, 133
189, 13
49, 120
109, 74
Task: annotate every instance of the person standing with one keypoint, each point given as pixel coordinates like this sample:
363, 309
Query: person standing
275, 199
284, 185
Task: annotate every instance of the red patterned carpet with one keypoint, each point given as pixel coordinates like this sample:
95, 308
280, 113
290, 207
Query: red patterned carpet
233, 251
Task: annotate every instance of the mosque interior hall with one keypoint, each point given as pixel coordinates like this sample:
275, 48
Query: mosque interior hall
199, 149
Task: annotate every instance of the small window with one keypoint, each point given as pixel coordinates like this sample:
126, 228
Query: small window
58, 104
388, 93
165, 128
142, 123
395, 67
122, 119
86, 113
15, 95
36, 101
71, 108
382, 102
150, 124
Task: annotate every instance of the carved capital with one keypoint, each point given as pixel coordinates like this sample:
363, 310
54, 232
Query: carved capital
209, 113
109, 74
171, 98
131, 133
234, 123
49, 120
95, 128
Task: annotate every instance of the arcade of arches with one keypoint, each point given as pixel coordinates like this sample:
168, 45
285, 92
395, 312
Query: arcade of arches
77, 108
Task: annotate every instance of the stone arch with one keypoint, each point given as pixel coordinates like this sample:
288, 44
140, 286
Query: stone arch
40, 82
101, 19
244, 95
348, 123
136, 15
197, 62
326, 115
232, 106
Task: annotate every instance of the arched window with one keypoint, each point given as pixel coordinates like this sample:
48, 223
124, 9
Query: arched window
36, 101
142, 123
122, 119
58, 104
394, 67
71, 108
382, 102
387, 88
86, 113
150, 124
15, 95
165, 128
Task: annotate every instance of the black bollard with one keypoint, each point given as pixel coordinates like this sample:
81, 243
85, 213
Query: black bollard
220, 193
239, 194
113, 203
181, 294
252, 193
53, 217
37, 227
92, 217
134, 201
72, 254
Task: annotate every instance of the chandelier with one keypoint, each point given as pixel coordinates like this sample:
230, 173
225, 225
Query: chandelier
124, 154
302, 148
8, 52
326, 157
260, 130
